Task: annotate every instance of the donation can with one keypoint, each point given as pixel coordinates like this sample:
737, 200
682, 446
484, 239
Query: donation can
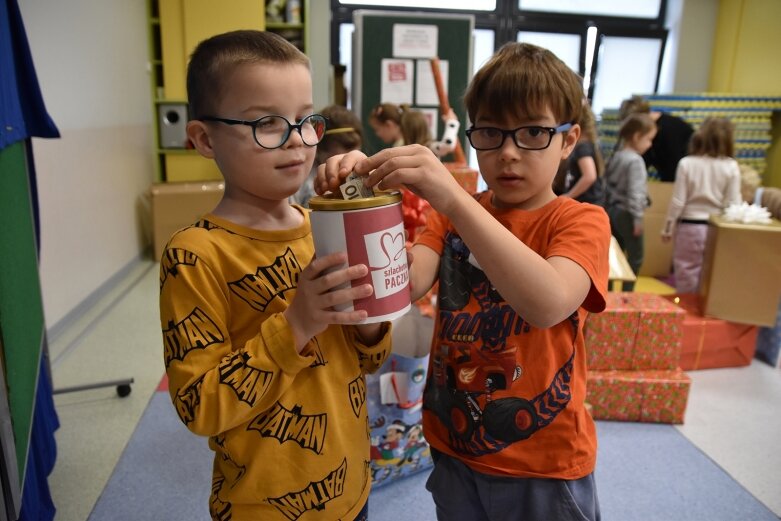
371, 231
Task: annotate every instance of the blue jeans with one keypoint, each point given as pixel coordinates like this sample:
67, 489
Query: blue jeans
363, 515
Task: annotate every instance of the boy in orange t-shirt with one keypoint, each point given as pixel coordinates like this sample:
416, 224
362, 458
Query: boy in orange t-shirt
518, 269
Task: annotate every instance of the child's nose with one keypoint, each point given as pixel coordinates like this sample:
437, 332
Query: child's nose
295, 138
509, 151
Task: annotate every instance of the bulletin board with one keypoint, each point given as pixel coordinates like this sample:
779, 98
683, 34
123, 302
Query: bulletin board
391, 63
21, 308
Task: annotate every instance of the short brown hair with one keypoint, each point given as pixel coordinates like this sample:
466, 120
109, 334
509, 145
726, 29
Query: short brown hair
522, 80
714, 138
215, 57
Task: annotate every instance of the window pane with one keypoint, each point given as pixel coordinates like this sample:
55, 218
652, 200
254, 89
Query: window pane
483, 48
625, 66
631, 9
484, 43
565, 46
346, 57
471, 5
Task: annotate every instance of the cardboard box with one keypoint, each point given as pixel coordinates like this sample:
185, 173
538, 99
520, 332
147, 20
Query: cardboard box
635, 331
177, 205
620, 270
657, 256
645, 396
711, 342
741, 272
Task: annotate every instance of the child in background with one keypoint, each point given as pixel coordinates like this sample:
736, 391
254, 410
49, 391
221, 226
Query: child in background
255, 356
707, 181
398, 125
627, 188
518, 269
344, 133
671, 142
583, 179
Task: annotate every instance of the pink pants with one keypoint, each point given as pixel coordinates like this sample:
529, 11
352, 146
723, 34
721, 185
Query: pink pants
688, 252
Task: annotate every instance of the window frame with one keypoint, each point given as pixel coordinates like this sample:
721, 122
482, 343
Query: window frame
507, 19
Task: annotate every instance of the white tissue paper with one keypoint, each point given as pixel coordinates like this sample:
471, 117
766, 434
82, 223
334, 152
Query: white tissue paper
747, 213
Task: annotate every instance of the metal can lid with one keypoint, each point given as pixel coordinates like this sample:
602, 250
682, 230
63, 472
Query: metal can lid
331, 202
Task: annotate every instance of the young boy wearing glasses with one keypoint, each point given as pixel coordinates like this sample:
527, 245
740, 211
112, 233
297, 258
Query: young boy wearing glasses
253, 359
518, 269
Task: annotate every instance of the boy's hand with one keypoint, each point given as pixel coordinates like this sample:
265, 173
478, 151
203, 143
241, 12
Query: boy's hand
336, 168
414, 167
312, 308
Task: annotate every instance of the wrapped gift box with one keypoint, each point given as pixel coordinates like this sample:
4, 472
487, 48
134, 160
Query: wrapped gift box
741, 272
711, 342
635, 331
645, 396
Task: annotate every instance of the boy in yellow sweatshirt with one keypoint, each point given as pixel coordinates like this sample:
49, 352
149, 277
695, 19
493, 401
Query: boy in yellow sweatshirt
257, 358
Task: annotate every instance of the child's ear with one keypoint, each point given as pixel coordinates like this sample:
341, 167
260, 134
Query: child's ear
198, 134
570, 140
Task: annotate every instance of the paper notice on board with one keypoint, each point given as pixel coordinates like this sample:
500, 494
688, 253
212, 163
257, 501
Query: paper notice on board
425, 88
415, 40
396, 81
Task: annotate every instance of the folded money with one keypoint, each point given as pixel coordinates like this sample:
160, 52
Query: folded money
353, 188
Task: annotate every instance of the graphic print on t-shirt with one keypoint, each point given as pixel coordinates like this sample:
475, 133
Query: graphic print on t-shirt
476, 356
260, 288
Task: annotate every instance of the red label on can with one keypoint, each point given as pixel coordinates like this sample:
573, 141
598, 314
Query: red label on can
375, 237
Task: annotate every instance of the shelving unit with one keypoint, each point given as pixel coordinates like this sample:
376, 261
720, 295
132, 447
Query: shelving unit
175, 28
751, 115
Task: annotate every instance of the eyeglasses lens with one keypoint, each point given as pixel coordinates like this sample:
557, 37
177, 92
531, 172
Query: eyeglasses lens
274, 131
533, 138
489, 138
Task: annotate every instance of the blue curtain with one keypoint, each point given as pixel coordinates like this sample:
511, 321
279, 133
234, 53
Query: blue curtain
23, 115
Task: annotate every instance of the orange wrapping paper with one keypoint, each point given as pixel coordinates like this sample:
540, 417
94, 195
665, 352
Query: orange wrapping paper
635, 331
645, 396
711, 342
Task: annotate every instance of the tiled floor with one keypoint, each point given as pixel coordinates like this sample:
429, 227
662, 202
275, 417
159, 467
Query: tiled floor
733, 415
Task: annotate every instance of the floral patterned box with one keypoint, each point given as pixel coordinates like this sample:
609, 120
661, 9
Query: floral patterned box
635, 331
645, 396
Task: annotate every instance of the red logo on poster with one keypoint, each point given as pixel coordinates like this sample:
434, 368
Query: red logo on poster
397, 72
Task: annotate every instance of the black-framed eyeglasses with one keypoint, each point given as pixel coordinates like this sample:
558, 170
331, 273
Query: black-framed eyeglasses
273, 131
531, 137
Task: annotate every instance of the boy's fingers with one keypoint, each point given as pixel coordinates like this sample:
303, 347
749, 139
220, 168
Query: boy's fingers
320, 264
340, 276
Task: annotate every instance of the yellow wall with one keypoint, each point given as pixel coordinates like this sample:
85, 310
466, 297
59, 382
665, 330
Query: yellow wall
745, 59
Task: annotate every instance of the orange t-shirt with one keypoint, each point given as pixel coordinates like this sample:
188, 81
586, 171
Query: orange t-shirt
505, 397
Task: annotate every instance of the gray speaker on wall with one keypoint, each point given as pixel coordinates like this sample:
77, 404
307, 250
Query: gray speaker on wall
172, 122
